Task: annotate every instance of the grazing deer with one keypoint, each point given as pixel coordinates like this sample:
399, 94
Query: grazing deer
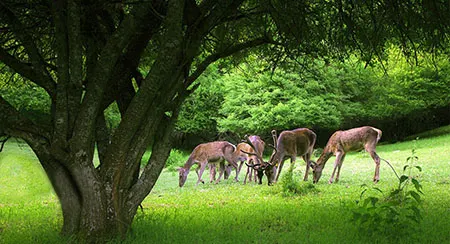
216, 151
290, 144
238, 156
341, 142
255, 151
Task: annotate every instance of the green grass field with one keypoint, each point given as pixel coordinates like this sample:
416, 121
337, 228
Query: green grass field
231, 212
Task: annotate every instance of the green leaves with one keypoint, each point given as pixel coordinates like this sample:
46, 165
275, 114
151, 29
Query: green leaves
395, 215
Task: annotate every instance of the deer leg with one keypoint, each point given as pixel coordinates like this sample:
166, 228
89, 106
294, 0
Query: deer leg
238, 170
246, 175
291, 167
200, 172
336, 165
339, 167
249, 172
279, 171
234, 164
226, 172
221, 171
306, 158
376, 159
212, 172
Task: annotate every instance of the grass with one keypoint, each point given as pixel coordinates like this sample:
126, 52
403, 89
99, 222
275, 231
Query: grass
230, 212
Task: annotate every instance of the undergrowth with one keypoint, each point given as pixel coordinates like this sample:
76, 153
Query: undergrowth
394, 215
292, 184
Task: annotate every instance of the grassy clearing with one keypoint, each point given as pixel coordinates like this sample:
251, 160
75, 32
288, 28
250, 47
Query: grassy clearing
234, 213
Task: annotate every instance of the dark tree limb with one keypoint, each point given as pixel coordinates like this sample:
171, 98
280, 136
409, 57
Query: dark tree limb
27, 71
3, 142
28, 43
227, 52
14, 124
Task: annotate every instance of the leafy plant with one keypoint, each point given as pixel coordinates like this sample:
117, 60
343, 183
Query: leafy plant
396, 214
291, 184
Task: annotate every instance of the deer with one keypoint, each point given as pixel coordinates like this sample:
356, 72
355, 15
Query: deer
256, 150
289, 144
239, 156
341, 142
215, 152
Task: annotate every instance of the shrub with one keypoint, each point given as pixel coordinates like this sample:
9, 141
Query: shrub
395, 215
292, 184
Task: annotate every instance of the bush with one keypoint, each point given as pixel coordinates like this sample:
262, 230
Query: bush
292, 184
176, 159
396, 215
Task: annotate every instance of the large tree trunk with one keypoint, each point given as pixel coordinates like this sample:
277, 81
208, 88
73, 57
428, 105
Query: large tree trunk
99, 202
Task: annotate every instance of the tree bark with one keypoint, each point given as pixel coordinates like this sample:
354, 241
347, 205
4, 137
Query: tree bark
99, 203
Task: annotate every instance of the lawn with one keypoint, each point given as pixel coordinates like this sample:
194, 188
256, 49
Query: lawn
231, 212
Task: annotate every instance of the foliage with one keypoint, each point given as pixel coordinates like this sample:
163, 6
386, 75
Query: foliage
26, 96
259, 101
396, 215
176, 159
292, 184
199, 112
252, 98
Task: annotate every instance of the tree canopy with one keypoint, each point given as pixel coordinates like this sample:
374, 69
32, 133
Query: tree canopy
145, 56
326, 97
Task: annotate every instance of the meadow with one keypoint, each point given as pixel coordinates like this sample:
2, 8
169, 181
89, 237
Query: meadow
231, 212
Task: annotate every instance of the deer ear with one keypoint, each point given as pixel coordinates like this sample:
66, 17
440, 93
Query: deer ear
312, 164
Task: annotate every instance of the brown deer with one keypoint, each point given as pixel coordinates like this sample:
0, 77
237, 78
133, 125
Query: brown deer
255, 150
216, 151
341, 142
290, 144
240, 156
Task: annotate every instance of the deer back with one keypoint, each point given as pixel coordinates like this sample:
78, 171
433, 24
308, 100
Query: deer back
212, 151
296, 142
354, 139
258, 143
242, 147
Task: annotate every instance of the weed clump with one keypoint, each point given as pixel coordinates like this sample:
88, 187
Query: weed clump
395, 215
292, 185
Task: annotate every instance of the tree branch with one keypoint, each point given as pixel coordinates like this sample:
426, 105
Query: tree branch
12, 123
27, 71
227, 52
27, 40
3, 142
104, 68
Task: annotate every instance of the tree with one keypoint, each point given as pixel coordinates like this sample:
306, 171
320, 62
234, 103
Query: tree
145, 56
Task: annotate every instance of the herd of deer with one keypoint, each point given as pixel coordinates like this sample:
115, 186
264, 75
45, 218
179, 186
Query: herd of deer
289, 144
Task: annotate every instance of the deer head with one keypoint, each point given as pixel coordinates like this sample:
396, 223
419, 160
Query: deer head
262, 167
183, 173
317, 170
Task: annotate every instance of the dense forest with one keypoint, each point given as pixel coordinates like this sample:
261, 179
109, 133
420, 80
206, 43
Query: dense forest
402, 96
398, 94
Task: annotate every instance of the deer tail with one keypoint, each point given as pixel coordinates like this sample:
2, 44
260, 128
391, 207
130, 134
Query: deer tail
379, 133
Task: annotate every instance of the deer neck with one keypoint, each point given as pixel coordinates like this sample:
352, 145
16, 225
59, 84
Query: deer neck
189, 163
324, 158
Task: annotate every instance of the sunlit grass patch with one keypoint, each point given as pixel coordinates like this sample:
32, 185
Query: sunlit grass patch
230, 212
